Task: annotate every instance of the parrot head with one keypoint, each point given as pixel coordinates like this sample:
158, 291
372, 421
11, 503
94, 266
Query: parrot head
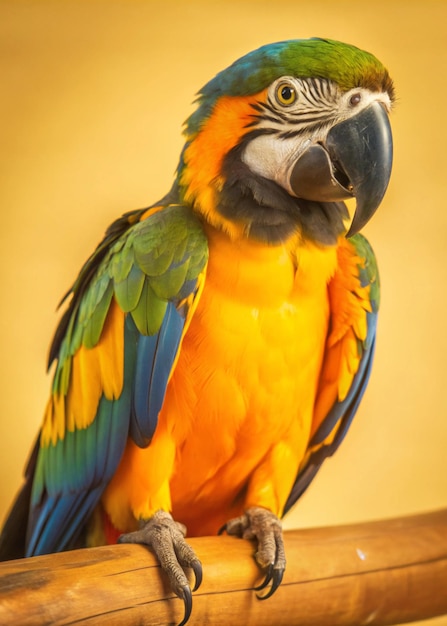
286, 133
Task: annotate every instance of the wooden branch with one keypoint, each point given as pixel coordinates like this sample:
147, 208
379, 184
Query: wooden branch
387, 572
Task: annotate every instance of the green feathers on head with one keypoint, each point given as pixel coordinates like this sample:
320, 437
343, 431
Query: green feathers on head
344, 64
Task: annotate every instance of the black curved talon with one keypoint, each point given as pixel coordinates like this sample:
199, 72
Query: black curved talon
221, 530
275, 576
187, 599
267, 579
197, 569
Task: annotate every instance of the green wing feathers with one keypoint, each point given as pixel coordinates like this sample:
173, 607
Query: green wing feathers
155, 261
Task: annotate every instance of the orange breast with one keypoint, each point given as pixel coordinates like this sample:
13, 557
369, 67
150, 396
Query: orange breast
249, 363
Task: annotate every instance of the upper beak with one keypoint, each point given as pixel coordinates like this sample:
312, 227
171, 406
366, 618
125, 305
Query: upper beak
354, 161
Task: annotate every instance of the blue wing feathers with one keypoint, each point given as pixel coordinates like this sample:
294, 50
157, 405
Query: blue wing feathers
140, 424
155, 356
85, 458
344, 411
167, 346
59, 521
351, 402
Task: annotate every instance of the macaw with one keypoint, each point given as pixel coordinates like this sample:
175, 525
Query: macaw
217, 344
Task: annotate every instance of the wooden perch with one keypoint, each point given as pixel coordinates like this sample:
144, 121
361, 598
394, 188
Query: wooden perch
387, 572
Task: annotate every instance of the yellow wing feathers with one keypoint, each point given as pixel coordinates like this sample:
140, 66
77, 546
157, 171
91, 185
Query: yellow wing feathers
93, 372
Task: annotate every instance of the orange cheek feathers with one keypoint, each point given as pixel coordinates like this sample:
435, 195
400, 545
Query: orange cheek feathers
204, 156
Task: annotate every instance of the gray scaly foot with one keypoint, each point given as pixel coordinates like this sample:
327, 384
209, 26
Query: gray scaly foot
263, 526
166, 538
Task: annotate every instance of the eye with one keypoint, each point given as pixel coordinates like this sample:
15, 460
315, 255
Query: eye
354, 100
285, 94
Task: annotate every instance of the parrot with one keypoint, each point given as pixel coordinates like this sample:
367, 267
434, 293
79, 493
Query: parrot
216, 345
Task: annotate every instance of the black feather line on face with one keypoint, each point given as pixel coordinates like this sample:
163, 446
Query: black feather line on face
268, 212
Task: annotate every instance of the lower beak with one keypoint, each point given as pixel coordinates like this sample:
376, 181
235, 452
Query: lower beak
354, 161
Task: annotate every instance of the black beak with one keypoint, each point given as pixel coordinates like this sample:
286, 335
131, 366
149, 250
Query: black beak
355, 161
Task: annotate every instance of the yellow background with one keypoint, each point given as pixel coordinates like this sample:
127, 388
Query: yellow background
93, 96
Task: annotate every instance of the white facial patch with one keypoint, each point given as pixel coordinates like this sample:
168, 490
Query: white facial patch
272, 157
